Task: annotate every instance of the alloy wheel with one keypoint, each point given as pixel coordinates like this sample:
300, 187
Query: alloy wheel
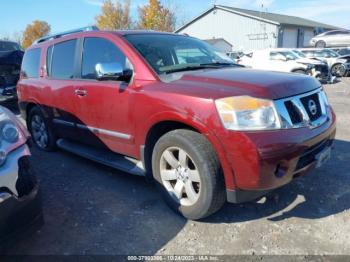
39, 131
180, 176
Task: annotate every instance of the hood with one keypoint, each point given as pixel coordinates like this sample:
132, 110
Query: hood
309, 61
11, 57
345, 57
225, 82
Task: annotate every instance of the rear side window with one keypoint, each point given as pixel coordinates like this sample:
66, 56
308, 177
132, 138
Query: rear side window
31, 63
62, 60
99, 50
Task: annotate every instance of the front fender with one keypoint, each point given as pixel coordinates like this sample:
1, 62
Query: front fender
196, 124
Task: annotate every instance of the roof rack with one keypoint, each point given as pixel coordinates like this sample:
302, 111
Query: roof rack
58, 35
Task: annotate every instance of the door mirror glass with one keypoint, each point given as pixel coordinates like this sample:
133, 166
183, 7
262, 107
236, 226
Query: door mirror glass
109, 71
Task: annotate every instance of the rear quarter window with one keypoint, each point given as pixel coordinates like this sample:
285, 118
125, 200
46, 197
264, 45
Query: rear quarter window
31, 63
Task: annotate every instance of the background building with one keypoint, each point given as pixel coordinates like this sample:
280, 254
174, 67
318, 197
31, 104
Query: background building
249, 30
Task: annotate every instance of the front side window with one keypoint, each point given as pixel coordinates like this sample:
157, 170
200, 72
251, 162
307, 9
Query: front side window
99, 50
62, 60
173, 53
31, 63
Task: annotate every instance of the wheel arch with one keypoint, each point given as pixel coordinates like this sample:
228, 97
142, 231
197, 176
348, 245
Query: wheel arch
161, 127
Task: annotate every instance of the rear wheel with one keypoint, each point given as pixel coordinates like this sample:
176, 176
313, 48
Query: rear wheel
338, 70
188, 174
41, 132
320, 44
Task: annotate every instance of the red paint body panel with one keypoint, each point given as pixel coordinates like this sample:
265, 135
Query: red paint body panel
248, 159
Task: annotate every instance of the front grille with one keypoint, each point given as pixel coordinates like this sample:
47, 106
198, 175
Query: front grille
309, 109
309, 156
314, 100
26, 179
294, 113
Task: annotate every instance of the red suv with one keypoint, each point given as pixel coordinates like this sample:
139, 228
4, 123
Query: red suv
173, 109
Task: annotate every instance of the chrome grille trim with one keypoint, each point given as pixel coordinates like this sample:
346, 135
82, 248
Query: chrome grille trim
285, 118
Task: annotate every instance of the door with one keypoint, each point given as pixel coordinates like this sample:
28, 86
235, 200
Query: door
102, 106
290, 38
61, 66
344, 39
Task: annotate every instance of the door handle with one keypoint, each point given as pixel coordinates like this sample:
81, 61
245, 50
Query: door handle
80, 92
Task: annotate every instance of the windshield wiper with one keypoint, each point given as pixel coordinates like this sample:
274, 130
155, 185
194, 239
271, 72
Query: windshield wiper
199, 66
188, 68
219, 64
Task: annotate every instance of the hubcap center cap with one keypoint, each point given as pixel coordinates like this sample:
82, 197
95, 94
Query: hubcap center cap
181, 173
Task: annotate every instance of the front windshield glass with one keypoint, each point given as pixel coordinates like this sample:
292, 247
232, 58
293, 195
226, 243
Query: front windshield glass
326, 53
8, 46
174, 53
299, 53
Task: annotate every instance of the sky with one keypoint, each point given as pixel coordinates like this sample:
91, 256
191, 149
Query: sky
69, 14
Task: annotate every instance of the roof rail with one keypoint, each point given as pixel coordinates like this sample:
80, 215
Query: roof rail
58, 35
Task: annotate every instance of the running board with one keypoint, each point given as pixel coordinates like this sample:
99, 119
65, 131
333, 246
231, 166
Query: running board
108, 158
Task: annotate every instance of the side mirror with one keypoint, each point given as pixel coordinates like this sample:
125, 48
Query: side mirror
111, 71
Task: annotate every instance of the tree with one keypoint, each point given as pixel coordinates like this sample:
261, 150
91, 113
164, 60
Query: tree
34, 31
156, 17
114, 16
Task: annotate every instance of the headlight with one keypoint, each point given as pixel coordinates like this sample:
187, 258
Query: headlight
247, 113
11, 134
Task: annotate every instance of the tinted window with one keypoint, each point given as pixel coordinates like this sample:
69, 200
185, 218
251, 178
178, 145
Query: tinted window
31, 63
99, 50
62, 64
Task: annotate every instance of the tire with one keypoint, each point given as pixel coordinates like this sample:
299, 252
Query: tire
194, 170
338, 70
320, 44
299, 71
40, 130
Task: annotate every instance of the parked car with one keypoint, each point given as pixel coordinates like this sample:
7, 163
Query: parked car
339, 65
235, 55
20, 205
343, 51
321, 67
277, 60
170, 108
331, 39
10, 63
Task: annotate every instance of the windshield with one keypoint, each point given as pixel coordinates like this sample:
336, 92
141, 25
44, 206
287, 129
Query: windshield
8, 46
326, 53
174, 53
299, 53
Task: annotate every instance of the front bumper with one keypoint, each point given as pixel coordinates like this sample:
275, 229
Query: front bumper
20, 203
263, 161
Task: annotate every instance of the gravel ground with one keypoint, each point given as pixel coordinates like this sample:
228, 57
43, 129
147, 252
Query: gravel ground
91, 209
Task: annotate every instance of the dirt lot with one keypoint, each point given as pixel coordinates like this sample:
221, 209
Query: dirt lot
91, 209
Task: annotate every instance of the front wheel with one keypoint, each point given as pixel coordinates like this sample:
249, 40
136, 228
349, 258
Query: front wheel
188, 174
320, 44
338, 70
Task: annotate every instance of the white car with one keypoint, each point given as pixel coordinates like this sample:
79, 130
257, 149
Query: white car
338, 65
275, 60
321, 67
